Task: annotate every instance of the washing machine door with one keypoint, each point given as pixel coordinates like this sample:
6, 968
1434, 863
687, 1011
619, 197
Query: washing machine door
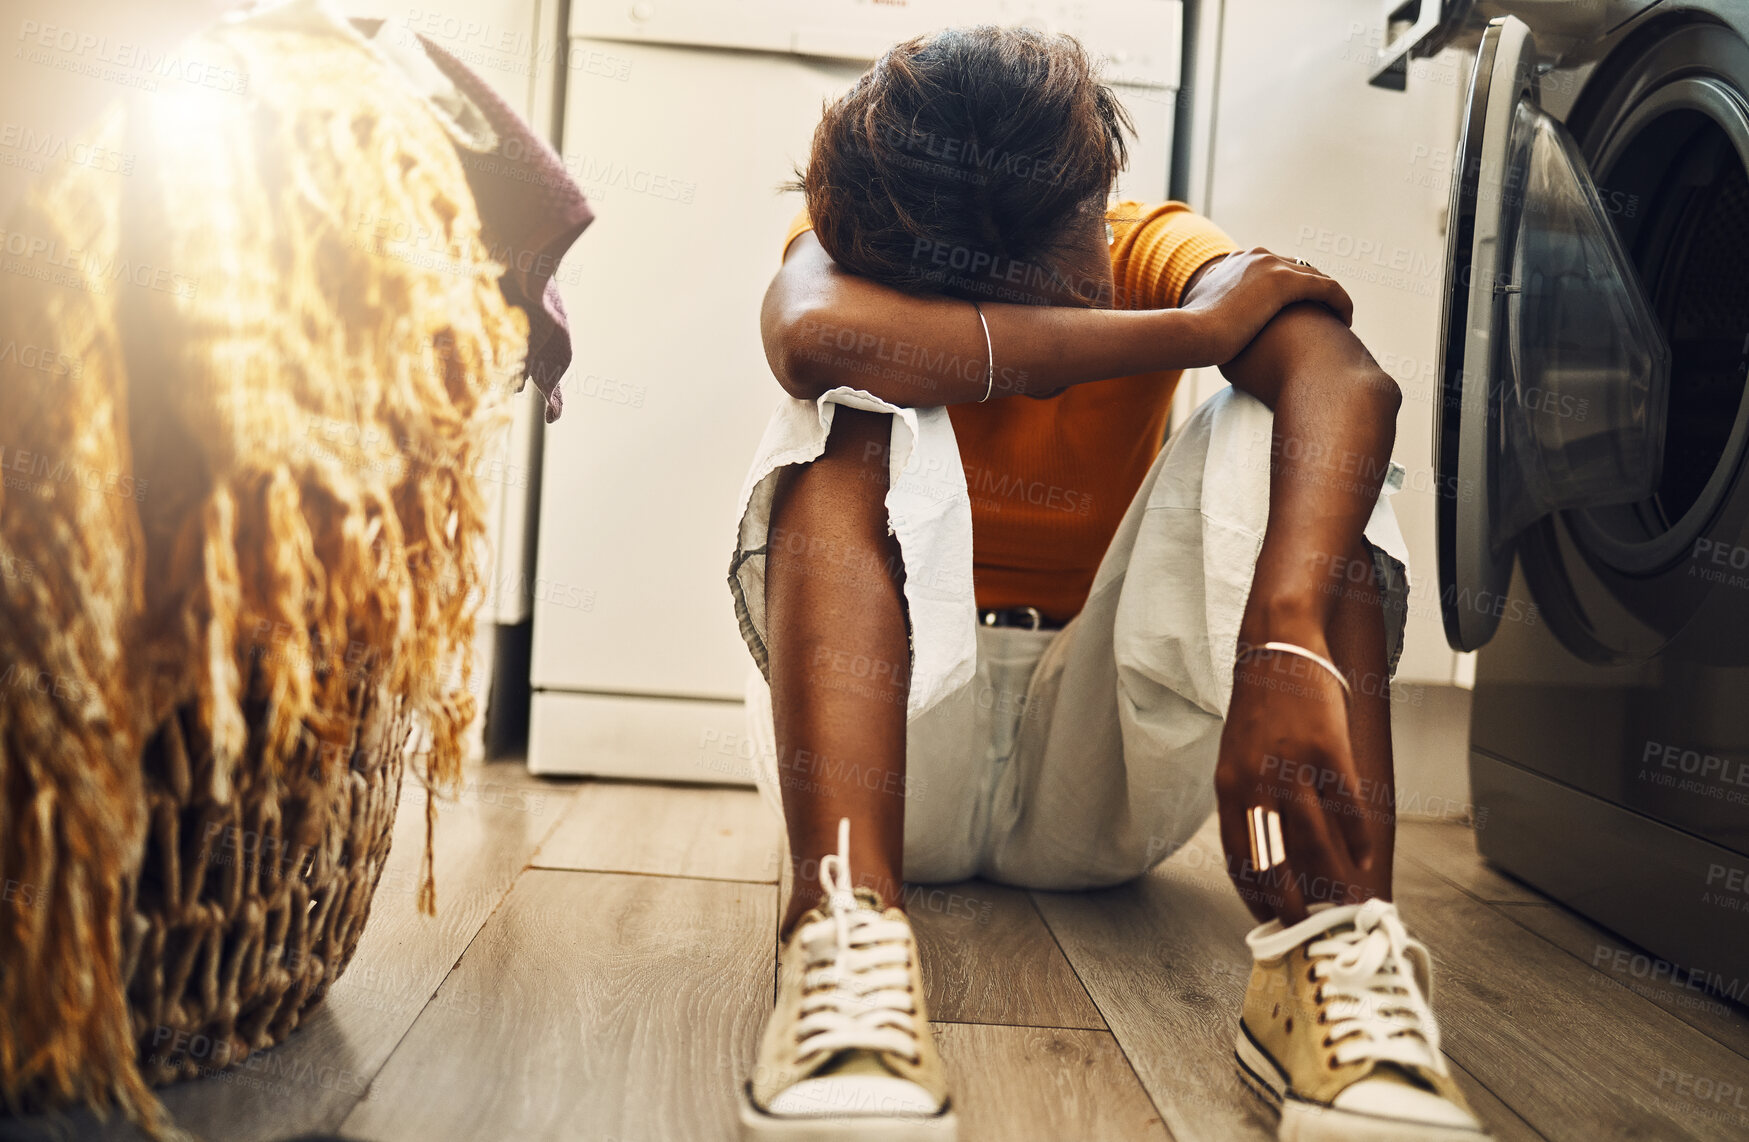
1554, 372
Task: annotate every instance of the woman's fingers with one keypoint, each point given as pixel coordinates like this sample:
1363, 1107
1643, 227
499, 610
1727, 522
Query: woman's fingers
1291, 906
1310, 866
1236, 842
1338, 300
1288, 881
1319, 850
1310, 285
1344, 803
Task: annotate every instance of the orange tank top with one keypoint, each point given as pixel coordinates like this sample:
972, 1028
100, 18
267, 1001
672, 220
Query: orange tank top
1050, 479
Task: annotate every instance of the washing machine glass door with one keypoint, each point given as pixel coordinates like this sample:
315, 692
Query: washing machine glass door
1553, 370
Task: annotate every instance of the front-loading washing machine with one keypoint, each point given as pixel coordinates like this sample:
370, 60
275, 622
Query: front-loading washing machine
1591, 442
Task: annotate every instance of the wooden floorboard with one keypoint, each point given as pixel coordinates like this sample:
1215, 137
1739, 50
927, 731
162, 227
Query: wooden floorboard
1165, 961
988, 958
1504, 1123
1620, 964
599, 1005
668, 830
1030, 1084
626, 1008
312, 1081
1449, 849
1449, 852
1524, 1018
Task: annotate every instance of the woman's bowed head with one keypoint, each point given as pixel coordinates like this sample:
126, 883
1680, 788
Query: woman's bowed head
971, 162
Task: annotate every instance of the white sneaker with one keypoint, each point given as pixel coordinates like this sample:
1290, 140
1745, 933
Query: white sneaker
1338, 1034
847, 1053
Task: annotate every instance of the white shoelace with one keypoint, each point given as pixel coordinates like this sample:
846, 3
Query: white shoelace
1375, 1003
857, 986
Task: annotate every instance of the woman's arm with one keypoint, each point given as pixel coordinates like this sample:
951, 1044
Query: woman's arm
824, 327
1335, 423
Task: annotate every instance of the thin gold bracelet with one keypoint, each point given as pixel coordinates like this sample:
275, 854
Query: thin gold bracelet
989, 356
1299, 652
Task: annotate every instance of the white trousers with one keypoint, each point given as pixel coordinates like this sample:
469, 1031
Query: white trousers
1075, 758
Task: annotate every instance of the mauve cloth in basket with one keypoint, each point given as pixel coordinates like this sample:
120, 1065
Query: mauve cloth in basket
530, 213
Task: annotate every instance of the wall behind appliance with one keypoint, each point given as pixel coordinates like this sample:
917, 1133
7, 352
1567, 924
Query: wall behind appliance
1308, 160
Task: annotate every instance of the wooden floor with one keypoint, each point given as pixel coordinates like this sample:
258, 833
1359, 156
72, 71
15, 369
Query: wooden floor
603, 959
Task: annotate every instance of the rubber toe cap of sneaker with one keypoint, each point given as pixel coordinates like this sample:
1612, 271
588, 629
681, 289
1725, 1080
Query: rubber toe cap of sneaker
834, 1095
1387, 1098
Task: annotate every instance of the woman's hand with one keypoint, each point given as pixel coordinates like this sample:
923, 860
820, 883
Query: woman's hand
1238, 295
1285, 748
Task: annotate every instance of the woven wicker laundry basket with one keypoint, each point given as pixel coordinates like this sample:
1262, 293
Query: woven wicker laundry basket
246, 908
241, 548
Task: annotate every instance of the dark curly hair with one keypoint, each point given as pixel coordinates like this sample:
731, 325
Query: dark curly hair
963, 157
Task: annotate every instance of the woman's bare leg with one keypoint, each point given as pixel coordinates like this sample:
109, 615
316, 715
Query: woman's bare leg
840, 660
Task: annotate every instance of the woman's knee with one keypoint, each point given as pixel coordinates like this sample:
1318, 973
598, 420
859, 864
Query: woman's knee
832, 512
853, 466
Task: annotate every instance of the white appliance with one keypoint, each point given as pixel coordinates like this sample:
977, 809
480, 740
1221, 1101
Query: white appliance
682, 118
